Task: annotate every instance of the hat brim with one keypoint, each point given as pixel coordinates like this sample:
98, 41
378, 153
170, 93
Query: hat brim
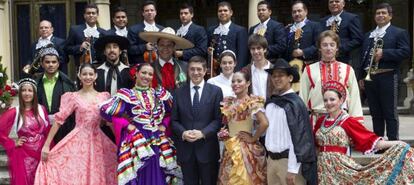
122, 42
153, 37
290, 71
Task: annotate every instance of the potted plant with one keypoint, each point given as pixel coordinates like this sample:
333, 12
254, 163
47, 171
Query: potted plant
6, 91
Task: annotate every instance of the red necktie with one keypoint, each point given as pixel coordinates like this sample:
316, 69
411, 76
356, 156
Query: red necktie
168, 79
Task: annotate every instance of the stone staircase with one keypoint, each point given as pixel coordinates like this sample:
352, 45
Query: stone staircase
4, 174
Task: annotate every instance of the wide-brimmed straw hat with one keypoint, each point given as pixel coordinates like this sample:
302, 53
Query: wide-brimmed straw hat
284, 65
166, 33
122, 42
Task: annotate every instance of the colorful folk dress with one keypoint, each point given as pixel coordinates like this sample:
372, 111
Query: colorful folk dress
23, 160
86, 155
243, 163
316, 75
333, 137
145, 155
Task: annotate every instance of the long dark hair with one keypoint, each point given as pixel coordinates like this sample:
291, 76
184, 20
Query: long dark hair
35, 103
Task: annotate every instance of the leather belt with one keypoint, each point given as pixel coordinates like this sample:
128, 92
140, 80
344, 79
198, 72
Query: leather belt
339, 149
277, 156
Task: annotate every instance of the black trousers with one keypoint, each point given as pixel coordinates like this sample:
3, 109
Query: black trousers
382, 94
195, 172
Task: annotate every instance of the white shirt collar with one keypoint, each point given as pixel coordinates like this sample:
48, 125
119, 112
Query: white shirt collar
265, 22
150, 27
162, 62
287, 92
47, 38
334, 18
43, 42
94, 27
121, 32
91, 31
379, 32
182, 31
267, 66
300, 25
201, 85
227, 25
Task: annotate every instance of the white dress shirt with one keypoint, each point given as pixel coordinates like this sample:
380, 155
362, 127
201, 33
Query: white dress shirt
379, 32
224, 83
150, 27
43, 41
91, 31
222, 29
262, 25
192, 90
182, 31
121, 32
300, 25
334, 18
259, 80
114, 83
162, 62
278, 137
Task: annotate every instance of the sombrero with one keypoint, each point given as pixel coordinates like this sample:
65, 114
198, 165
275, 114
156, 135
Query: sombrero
166, 33
284, 65
122, 42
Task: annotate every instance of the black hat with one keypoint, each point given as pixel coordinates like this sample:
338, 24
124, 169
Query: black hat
282, 64
122, 42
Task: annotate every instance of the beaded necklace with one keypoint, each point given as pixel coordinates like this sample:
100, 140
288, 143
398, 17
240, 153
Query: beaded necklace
325, 129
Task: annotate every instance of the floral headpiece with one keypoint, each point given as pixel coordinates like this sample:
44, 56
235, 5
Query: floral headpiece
28, 81
336, 86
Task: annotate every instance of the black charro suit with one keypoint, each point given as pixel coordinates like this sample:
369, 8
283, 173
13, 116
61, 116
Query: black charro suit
197, 35
235, 40
350, 34
310, 35
382, 91
137, 49
75, 39
276, 38
199, 160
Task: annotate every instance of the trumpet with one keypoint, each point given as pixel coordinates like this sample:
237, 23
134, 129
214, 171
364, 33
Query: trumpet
35, 65
373, 68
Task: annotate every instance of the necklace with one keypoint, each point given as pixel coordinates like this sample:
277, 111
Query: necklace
325, 129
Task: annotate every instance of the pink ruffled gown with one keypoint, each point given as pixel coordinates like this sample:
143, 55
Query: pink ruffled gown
86, 156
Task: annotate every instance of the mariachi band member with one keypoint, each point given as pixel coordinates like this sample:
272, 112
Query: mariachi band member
139, 46
228, 35
346, 25
82, 37
381, 84
120, 21
192, 32
273, 31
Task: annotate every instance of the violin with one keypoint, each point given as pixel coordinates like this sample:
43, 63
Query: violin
86, 53
214, 64
150, 56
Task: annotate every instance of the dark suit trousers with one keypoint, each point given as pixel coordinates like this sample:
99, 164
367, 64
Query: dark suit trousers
382, 94
195, 172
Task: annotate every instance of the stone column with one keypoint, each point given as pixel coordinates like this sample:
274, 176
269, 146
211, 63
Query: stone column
253, 19
104, 18
5, 46
409, 81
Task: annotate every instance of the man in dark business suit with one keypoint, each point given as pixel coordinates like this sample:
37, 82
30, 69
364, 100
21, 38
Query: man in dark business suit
120, 21
228, 36
195, 131
139, 46
273, 31
382, 89
304, 48
192, 32
77, 44
47, 37
346, 25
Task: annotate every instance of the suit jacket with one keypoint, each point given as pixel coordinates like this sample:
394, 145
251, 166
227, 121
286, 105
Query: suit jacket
137, 47
235, 40
75, 39
276, 38
209, 122
63, 85
310, 35
197, 35
350, 34
396, 49
59, 46
179, 67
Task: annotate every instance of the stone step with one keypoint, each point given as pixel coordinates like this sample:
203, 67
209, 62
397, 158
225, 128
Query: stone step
3, 162
400, 110
4, 178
